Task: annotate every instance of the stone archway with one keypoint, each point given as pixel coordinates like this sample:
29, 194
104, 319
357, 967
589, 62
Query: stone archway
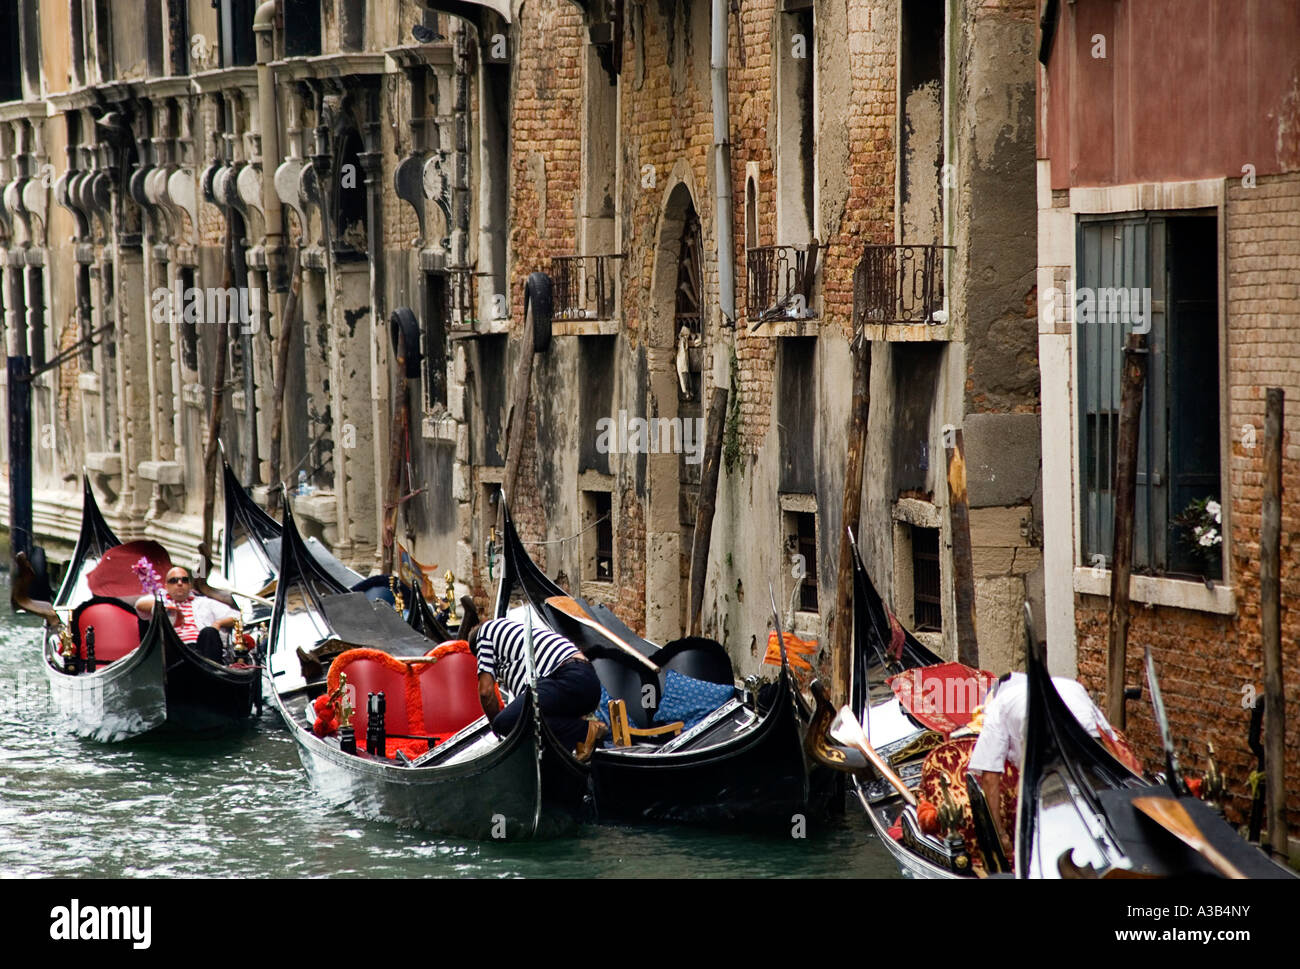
677, 282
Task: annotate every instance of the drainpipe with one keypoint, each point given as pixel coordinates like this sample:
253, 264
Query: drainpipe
717, 411
722, 170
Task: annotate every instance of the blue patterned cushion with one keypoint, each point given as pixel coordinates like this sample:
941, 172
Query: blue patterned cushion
602, 708
690, 700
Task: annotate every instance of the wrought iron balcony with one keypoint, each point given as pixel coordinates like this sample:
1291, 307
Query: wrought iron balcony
781, 282
901, 285
583, 286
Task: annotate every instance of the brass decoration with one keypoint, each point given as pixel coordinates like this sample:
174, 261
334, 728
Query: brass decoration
448, 601
922, 744
399, 604
950, 815
340, 700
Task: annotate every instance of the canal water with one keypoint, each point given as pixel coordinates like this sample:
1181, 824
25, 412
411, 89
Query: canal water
240, 807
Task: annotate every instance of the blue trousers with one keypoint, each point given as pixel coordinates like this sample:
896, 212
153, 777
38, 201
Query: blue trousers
566, 696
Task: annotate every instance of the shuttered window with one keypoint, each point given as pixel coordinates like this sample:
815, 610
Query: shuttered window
1156, 270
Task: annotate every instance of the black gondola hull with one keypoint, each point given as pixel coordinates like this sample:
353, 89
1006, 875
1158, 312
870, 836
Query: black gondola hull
760, 777
501, 794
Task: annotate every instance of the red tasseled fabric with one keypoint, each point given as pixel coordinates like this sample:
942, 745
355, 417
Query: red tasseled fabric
896, 830
408, 719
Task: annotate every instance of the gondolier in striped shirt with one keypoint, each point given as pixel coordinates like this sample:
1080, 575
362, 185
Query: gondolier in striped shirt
567, 686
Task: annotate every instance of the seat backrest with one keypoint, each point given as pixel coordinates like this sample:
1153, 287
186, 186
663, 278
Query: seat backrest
698, 658
624, 682
371, 674
117, 629
449, 694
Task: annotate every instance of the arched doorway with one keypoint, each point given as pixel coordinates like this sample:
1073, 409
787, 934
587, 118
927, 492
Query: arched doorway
674, 356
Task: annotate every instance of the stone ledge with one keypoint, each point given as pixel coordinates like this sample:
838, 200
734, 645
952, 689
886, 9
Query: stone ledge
439, 429
321, 507
104, 462
1177, 593
88, 382
585, 328
160, 472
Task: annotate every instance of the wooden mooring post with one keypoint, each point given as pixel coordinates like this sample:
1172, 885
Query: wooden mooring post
1270, 611
963, 566
1133, 379
855, 461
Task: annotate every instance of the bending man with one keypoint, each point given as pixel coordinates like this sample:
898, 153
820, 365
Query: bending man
567, 686
1001, 740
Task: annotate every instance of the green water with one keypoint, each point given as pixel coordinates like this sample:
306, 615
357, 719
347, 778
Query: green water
241, 807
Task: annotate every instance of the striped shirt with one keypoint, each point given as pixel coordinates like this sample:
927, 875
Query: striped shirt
502, 654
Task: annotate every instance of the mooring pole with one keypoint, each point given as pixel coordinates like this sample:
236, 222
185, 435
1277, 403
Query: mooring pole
1270, 611
707, 504
851, 509
517, 418
20, 455
963, 568
218, 396
1130, 414
282, 344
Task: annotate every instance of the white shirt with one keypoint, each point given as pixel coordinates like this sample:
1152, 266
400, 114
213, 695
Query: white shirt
1001, 741
207, 611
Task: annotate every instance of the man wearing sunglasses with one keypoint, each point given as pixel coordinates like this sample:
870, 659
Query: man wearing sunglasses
198, 619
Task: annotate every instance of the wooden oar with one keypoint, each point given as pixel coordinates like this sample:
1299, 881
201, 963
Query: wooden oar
848, 731
1173, 817
569, 607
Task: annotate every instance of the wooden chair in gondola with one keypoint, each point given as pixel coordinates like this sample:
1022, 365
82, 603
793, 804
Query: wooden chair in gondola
634, 697
116, 631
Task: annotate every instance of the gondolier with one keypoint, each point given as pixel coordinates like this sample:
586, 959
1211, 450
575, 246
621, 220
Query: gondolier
1002, 735
568, 688
198, 619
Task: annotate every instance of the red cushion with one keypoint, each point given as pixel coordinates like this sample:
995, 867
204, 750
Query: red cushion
117, 630
372, 671
449, 693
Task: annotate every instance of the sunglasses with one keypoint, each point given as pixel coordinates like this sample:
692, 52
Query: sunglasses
181, 579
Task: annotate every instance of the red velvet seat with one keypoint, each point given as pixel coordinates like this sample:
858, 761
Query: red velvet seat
117, 629
370, 671
449, 694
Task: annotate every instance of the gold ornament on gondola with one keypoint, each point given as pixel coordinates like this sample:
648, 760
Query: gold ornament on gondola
66, 646
449, 597
950, 815
341, 701
399, 604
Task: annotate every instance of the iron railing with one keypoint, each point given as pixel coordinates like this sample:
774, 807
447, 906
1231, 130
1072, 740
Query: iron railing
900, 285
781, 282
583, 286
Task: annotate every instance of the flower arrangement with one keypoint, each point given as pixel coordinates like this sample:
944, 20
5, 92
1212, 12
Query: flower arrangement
1202, 522
150, 580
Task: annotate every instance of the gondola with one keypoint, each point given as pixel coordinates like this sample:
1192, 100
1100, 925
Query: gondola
119, 683
744, 764
471, 784
251, 548
1075, 812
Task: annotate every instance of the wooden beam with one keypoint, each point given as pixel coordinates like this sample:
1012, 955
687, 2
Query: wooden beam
706, 504
1270, 609
851, 510
963, 568
1133, 378
517, 418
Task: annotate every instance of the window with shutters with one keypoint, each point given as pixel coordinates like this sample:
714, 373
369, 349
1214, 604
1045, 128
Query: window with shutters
1156, 270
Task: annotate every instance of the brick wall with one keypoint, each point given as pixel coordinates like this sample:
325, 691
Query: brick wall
1208, 662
